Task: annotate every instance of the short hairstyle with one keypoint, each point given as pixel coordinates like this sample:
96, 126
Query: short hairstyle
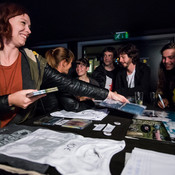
110, 49
170, 45
83, 61
8, 10
55, 56
131, 50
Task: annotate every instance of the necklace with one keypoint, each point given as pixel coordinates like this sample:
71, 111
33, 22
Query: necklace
8, 78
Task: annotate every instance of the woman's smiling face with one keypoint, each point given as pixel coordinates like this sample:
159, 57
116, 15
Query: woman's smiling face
81, 69
20, 29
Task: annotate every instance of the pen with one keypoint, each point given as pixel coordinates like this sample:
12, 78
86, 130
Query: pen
161, 100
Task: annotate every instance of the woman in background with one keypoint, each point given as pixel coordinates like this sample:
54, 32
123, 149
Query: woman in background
61, 59
82, 67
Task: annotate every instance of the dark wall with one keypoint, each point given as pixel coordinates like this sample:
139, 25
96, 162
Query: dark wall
150, 50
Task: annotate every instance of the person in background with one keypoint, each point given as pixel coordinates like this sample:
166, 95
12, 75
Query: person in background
61, 59
105, 73
166, 76
24, 72
135, 76
82, 67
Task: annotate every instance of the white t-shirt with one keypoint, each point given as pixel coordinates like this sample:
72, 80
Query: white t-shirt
131, 79
108, 84
69, 153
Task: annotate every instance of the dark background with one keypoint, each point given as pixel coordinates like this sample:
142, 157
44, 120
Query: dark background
59, 21
150, 24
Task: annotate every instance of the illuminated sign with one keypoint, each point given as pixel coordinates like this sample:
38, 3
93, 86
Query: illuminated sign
121, 35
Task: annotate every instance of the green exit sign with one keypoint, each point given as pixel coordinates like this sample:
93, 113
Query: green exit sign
121, 35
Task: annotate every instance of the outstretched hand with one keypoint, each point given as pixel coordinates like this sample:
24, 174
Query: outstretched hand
117, 97
19, 98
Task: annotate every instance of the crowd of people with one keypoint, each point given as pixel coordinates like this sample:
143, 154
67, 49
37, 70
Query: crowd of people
22, 71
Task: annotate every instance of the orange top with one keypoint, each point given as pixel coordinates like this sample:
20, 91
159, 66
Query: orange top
10, 82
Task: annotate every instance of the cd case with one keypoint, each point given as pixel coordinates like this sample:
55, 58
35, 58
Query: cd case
48, 120
126, 107
77, 123
40, 92
147, 129
170, 127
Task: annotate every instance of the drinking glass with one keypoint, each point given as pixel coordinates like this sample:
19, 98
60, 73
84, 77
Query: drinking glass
139, 98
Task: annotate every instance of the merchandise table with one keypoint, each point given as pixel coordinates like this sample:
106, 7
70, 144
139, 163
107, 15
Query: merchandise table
118, 160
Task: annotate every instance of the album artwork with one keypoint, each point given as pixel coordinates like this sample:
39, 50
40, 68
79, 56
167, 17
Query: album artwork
126, 107
77, 123
148, 129
47, 120
170, 127
40, 92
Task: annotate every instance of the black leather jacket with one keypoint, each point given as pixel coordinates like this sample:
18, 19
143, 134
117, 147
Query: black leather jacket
63, 100
66, 98
51, 78
76, 87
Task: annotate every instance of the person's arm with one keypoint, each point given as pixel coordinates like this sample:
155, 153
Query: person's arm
73, 86
117, 97
17, 99
161, 89
161, 84
76, 87
70, 103
4, 105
